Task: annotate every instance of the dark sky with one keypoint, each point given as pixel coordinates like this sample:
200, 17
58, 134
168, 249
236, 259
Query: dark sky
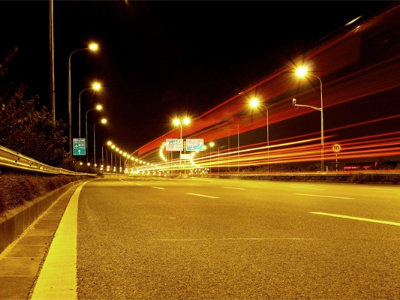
159, 59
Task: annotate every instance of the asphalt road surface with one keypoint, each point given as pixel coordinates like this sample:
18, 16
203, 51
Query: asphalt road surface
141, 238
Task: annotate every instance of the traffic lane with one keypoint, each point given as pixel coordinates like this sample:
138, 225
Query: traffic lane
149, 252
327, 199
376, 201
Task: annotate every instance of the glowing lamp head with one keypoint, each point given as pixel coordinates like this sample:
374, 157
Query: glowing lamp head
103, 121
254, 102
93, 46
302, 71
96, 86
99, 107
186, 121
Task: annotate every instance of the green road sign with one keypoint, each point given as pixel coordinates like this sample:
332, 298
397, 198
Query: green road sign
194, 144
79, 146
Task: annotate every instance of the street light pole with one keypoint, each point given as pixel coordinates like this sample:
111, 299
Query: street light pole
98, 107
92, 47
303, 72
255, 103
179, 122
103, 121
96, 86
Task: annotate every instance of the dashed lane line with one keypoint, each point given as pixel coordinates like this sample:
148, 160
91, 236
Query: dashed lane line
324, 196
158, 187
200, 195
356, 218
306, 188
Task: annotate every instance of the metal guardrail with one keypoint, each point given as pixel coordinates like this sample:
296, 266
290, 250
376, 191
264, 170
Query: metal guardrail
12, 160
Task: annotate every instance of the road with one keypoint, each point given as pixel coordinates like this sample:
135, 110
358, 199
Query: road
237, 239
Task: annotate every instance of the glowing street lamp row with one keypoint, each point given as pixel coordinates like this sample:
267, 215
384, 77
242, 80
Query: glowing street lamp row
92, 47
127, 156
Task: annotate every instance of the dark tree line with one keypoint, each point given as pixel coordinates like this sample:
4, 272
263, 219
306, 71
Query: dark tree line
26, 126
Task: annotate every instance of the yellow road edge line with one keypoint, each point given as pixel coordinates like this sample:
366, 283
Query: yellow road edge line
58, 278
356, 218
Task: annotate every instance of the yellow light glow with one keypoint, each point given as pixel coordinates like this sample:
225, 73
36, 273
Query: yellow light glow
109, 143
176, 122
104, 121
302, 71
93, 46
96, 86
186, 121
254, 102
99, 107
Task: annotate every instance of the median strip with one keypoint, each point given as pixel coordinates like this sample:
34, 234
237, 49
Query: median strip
157, 187
337, 197
200, 195
356, 218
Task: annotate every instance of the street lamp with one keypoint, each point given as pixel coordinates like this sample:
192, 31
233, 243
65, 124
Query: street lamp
96, 86
92, 47
103, 121
211, 145
303, 72
220, 147
255, 103
181, 122
98, 107
102, 154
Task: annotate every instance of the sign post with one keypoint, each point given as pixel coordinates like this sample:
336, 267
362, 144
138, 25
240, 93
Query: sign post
336, 148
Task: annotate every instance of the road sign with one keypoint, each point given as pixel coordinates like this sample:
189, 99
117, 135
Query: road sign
336, 148
174, 145
186, 156
194, 144
79, 146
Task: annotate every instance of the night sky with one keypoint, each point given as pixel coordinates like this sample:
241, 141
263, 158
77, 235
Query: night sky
160, 59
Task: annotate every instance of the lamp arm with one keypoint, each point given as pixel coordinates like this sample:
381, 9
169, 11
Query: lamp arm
313, 107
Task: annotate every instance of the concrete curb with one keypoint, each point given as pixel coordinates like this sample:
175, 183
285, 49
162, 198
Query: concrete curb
16, 221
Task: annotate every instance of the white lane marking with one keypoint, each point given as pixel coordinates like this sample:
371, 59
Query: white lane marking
306, 188
374, 188
58, 278
356, 218
157, 187
234, 188
236, 239
200, 195
311, 195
